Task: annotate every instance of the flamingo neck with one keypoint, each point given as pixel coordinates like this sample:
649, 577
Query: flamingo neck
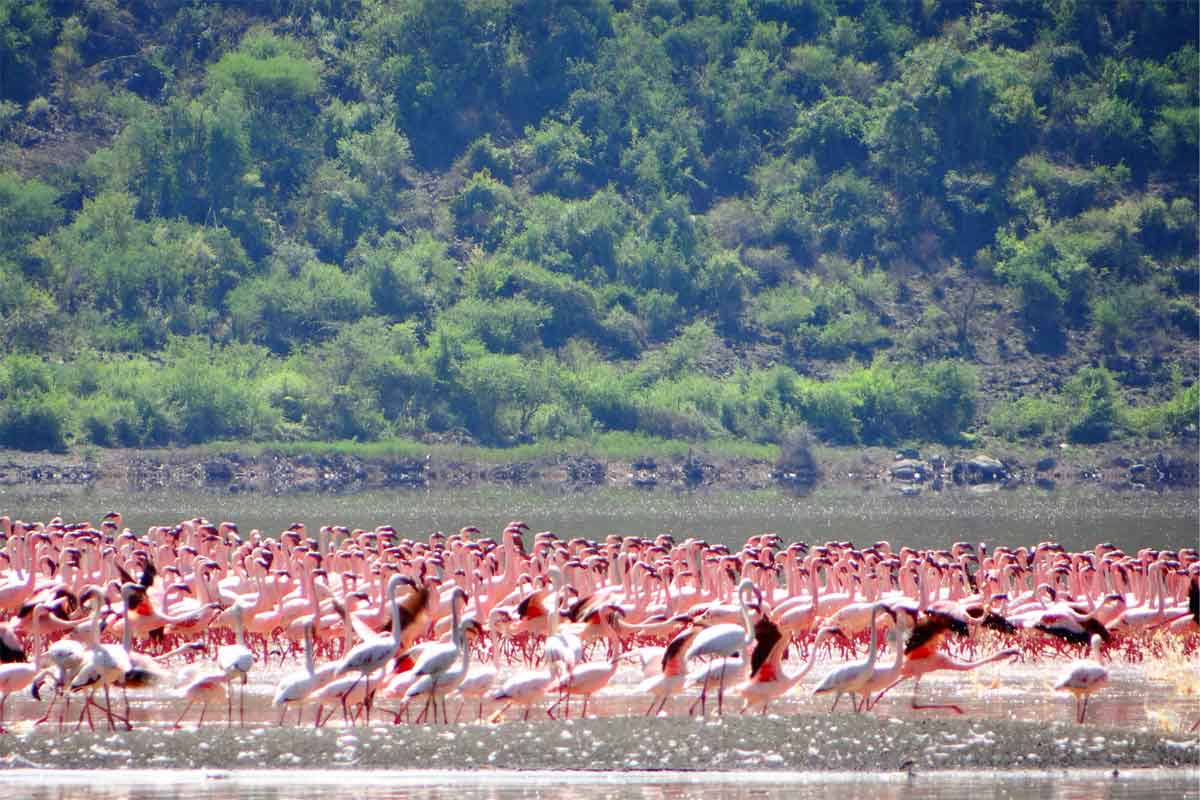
746, 626
456, 636
308, 650
126, 633
874, 644
395, 609
239, 634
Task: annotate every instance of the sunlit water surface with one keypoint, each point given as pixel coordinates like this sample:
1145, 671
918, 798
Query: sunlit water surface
255, 785
1078, 518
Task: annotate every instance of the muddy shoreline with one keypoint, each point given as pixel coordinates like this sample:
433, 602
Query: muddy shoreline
796, 742
904, 473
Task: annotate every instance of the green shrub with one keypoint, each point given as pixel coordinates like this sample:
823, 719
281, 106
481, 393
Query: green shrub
856, 333
1091, 396
1128, 313
483, 154
503, 325
35, 422
831, 412
485, 210
1028, 418
1178, 416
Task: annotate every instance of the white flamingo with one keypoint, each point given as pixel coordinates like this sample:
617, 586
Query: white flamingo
851, 678
1084, 677
723, 641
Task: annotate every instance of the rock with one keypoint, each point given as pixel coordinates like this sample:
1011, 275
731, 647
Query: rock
980, 469
1178, 471
644, 479
1122, 462
219, 470
910, 469
1046, 464
586, 470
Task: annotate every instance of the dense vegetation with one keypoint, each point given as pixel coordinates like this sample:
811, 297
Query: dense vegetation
883, 221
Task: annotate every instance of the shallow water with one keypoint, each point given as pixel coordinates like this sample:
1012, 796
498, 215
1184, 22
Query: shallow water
1077, 518
501, 785
1012, 718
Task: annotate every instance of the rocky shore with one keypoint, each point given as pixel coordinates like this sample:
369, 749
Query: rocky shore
906, 472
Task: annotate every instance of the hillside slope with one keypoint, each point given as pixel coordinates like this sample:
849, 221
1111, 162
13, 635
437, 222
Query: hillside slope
507, 221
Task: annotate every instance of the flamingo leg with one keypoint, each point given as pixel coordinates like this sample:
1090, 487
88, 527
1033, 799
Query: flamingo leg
112, 724
183, 714
721, 687
200, 722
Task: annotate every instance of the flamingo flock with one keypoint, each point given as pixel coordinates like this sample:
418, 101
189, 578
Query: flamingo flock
365, 620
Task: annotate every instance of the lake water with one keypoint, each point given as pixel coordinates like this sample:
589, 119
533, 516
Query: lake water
1078, 518
269, 785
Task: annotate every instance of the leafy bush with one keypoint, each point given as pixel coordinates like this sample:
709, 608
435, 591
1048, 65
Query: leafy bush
485, 210
1028, 417
35, 422
1177, 416
1127, 314
503, 325
289, 305
1091, 396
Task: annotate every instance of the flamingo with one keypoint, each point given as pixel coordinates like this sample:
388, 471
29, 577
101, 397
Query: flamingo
768, 679
524, 689
236, 659
15, 677
207, 688
296, 687
587, 679
66, 658
670, 677
104, 664
1084, 677
723, 641
369, 656
475, 687
850, 678
435, 684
